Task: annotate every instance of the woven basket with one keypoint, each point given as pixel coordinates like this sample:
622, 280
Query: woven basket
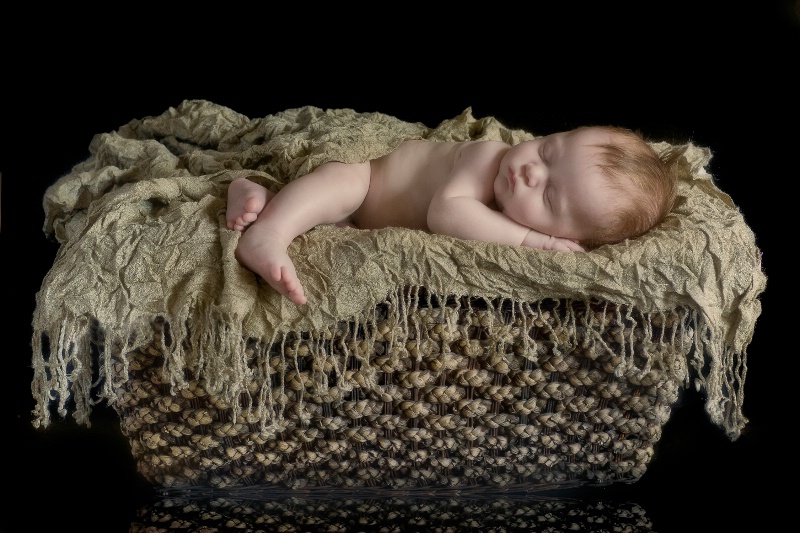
467, 393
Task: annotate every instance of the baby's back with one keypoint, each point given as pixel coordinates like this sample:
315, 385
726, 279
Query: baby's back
403, 182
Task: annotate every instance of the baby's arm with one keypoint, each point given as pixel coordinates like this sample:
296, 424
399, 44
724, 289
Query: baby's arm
468, 218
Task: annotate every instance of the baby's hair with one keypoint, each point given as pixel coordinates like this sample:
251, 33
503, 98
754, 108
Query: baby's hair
645, 181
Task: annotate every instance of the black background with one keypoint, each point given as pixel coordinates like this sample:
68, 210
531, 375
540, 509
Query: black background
719, 75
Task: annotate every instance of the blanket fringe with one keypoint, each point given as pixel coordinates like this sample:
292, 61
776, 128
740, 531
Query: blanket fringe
83, 362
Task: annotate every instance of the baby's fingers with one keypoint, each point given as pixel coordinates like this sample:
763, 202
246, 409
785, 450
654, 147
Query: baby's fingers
568, 246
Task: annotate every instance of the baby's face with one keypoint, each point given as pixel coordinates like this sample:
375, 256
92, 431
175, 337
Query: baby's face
553, 185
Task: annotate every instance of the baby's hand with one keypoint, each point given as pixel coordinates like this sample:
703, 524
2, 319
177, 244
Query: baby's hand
534, 239
567, 245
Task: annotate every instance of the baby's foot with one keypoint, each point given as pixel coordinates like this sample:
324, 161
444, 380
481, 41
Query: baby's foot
245, 201
263, 252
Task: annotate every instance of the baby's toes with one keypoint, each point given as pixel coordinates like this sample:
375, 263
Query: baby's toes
241, 223
297, 295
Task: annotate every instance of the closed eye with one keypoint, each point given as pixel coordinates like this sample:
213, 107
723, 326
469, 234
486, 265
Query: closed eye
547, 152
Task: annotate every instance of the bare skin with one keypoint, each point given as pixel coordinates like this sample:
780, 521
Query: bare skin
540, 193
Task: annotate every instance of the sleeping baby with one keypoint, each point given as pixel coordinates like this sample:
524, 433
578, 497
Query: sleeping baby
567, 191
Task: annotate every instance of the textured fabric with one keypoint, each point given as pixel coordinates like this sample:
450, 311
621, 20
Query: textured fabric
141, 224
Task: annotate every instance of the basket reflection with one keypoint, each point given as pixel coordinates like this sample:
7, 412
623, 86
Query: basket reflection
329, 511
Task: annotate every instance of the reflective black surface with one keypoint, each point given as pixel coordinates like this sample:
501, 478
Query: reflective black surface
721, 76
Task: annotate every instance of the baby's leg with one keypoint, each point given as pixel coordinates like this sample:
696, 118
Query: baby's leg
329, 194
246, 199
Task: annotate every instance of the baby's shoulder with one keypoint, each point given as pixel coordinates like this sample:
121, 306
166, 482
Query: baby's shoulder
483, 147
470, 151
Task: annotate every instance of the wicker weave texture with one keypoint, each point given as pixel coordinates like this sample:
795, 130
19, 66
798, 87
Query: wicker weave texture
466, 393
390, 515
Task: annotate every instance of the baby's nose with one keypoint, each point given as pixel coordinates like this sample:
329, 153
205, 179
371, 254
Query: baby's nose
534, 173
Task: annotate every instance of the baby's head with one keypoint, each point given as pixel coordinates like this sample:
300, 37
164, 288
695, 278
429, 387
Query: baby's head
593, 185
642, 182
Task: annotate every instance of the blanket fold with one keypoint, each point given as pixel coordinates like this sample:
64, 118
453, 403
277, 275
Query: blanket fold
141, 223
